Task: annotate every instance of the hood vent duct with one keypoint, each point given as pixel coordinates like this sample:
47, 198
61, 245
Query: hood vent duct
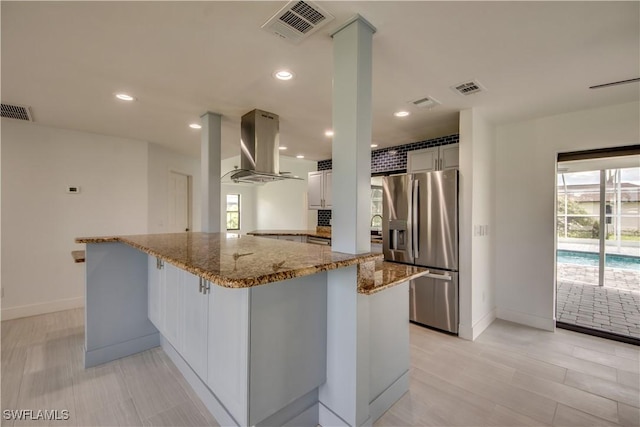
18, 112
297, 20
259, 150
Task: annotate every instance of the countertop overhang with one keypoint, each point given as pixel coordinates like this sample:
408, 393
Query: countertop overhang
322, 232
309, 233
236, 261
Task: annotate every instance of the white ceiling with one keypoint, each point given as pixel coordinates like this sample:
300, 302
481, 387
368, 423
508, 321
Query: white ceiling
181, 59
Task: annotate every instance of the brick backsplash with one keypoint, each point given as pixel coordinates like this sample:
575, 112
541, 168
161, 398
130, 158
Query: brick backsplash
324, 218
383, 161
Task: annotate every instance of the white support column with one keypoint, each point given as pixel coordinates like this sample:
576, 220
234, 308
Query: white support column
351, 193
344, 397
210, 171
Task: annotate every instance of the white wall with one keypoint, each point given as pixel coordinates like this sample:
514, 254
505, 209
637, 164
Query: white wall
526, 154
161, 162
247, 194
123, 191
476, 281
40, 220
282, 205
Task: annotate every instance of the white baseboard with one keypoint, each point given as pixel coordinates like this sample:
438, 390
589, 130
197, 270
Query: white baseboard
215, 407
526, 319
470, 333
483, 323
388, 397
41, 308
328, 418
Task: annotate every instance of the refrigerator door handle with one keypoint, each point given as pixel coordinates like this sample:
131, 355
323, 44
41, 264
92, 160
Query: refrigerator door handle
437, 276
415, 219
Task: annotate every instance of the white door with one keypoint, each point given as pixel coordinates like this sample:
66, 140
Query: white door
179, 212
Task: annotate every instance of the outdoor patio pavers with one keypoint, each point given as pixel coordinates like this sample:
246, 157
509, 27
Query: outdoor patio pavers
580, 301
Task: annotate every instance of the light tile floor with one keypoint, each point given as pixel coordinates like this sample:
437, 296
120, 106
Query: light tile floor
511, 375
612, 308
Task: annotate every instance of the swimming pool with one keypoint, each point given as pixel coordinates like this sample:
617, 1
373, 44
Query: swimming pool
591, 259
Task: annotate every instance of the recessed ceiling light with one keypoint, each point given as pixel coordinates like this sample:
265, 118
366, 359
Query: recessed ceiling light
195, 126
283, 75
328, 133
282, 148
300, 156
401, 113
125, 97
374, 145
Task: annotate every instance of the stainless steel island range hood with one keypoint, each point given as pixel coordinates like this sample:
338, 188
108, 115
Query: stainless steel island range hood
259, 149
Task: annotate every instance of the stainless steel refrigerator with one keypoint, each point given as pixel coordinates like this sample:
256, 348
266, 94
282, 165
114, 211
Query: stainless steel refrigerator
420, 226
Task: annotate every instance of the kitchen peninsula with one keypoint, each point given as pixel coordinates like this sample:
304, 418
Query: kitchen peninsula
252, 323
319, 236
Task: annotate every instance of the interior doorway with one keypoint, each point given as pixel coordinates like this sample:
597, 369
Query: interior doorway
598, 244
179, 203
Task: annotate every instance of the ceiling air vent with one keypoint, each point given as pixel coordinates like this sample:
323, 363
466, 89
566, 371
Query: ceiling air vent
468, 88
19, 112
298, 20
426, 102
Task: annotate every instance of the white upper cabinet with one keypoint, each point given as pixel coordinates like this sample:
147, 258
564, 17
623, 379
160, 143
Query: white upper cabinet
433, 159
449, 156
314, 189
319, 190
327, 189
422, 160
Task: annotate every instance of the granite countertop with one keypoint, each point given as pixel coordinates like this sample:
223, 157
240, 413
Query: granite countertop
323, 232
311, 233
238, 262
78, 256
378, 275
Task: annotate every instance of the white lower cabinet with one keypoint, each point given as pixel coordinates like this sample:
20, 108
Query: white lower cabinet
179, 310
172, 305
257, 349
155, 291
194, 317
228, 344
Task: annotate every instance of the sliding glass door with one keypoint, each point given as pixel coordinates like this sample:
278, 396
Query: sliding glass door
598, 244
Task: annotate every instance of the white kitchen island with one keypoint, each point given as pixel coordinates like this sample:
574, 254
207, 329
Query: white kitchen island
266, 332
